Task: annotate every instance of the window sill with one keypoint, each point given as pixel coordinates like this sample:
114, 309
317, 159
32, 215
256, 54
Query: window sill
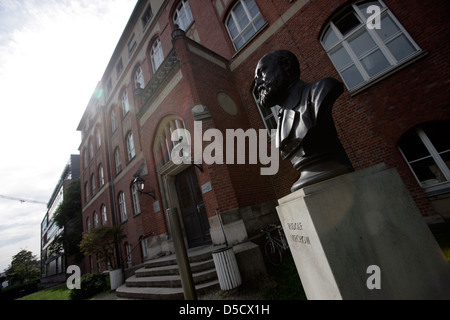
419, 55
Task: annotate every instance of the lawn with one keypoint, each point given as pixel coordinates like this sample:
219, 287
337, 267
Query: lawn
56, 293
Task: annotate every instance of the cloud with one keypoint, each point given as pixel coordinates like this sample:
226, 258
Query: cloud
52, 54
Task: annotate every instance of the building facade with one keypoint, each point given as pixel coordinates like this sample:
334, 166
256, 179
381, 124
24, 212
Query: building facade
181, 80
53, 265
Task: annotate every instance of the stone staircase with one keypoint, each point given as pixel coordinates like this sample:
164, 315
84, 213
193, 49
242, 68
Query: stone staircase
159, 279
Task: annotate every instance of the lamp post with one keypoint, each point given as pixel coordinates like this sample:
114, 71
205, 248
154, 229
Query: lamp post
187, 280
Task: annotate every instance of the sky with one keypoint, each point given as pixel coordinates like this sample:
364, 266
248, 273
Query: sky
52, 54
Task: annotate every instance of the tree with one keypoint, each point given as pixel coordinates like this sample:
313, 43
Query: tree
68, 216
102, 243
24, 267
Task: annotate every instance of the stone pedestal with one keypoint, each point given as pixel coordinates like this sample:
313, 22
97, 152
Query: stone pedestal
361, 236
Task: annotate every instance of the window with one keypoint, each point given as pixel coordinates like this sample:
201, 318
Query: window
119, 67
243, 22
125, 103
113, 121
131, 43
130, 146
91, 149
85, 161
147, 16
183, 15
93, 184
88, 223
99, 139
135, 196
103, 213
362, 53
426, 149
95, 219
86, 191
156, 55
144, 248
117, 160
109, 87
139, 79
101, 176
122, 207
128, 251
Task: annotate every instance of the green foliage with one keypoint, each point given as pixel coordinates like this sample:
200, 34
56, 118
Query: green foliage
20, 290
102, 243
91, 284
24, 268
68, 216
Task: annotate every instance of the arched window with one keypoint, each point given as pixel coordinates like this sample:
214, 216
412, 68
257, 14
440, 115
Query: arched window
122, 207
135, 196
113, 121
125, 103
426, 149
86, 191
88, 224
365, 41
163, 145
104, 216
101, 176
156, 55
139, 79
95, 219
99, 138
91, 149
183, 15
93, 184
130, 146
243, 22
117, 160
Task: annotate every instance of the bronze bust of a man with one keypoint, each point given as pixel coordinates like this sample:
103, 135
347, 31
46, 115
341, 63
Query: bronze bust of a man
306, 133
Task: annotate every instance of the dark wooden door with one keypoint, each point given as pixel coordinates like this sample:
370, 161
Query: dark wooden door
192, 208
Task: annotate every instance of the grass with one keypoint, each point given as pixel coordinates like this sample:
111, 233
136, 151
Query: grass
56, 293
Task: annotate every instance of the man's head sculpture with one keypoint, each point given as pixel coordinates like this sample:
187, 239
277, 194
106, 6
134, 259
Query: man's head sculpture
305, 133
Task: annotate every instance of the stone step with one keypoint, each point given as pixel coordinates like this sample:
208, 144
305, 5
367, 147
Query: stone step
170, 281
160, 293
171, 260
173, 269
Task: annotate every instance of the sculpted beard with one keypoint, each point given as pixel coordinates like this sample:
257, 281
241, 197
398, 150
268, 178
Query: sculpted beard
269, 91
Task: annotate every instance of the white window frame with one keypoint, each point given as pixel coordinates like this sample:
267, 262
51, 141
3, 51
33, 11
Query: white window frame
156, 55
139, 79
101, 176
88, 223
104, 215
117, 160
122, 207
183, 10
135, 196
95, 218
99, 139
86, 191
113, 121
251, 23
343, 41
125, 104
93, 184
130, 146
438, 187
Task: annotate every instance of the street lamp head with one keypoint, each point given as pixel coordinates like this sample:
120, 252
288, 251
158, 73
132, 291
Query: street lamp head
139, 183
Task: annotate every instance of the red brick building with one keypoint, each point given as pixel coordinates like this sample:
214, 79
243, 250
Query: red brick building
392, 58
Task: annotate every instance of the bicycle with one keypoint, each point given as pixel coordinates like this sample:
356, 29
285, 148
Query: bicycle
274, 246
